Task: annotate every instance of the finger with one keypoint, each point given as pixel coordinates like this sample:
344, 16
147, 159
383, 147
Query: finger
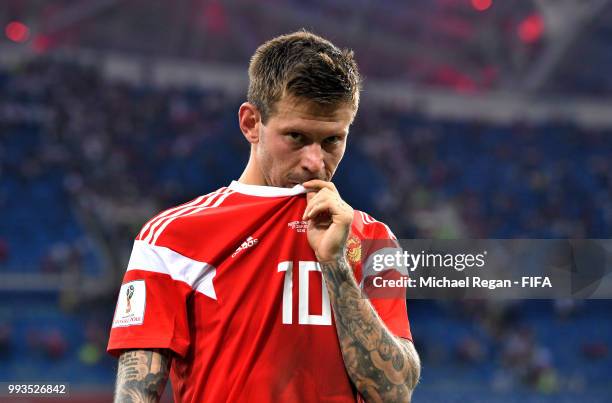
322, 207
315, 185
315, 198
310, 196
311, 192
332, 201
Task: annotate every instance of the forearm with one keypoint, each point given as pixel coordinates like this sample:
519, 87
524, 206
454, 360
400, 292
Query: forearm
142, 376
382, 366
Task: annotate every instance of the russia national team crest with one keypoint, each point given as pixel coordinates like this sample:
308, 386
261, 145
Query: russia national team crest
131, 304
353, 249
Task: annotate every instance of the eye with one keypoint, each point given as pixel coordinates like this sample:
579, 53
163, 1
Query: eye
295, 136
333, 139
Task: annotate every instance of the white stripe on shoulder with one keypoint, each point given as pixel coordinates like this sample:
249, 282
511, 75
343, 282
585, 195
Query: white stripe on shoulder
158, 259
207, 200
391, 234
178, 211
204, 202
219, 199
158, 217
165, 213
368, 219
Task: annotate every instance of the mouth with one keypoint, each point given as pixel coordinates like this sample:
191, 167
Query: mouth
294, 181
291, 182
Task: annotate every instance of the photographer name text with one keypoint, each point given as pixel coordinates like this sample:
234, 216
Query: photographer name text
467, 282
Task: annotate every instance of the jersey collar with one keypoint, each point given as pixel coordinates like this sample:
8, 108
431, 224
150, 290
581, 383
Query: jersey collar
266, 191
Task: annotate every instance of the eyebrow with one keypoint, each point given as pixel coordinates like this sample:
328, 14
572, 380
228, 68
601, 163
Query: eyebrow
291, 129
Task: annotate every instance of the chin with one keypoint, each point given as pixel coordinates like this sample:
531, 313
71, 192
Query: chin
282, 184
288, 183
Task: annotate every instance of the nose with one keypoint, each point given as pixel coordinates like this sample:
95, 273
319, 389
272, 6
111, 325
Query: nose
312, 158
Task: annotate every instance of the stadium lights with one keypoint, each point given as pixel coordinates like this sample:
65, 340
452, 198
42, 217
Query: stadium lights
17, 31
530, 30
482, 5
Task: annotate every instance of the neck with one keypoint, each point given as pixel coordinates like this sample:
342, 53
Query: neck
252, 174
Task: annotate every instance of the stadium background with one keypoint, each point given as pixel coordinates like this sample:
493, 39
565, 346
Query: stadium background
479, 119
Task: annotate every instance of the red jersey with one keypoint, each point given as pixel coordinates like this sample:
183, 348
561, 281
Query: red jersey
230, 283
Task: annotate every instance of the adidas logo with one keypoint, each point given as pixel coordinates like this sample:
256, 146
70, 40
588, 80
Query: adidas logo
250, 241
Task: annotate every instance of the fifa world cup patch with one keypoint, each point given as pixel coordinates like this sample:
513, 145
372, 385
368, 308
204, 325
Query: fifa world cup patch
131, 304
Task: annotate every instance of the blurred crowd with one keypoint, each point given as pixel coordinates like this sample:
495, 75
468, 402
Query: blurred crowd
122, 152
474, 180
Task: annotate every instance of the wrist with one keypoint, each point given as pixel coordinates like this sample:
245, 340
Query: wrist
335, 259
339, 270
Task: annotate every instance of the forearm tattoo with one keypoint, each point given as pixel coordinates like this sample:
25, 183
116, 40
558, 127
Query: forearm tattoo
142, 376
383, 367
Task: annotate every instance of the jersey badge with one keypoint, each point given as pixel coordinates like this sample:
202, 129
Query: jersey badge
131, 304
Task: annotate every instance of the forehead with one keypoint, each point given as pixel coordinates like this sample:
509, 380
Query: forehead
298, 113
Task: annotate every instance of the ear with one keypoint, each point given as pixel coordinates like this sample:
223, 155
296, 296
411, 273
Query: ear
249, 120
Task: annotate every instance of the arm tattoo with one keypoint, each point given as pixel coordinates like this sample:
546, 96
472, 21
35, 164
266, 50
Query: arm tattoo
142, 376
382, 366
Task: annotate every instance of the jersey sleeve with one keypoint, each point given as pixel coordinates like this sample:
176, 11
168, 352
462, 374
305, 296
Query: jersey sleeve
151, 310
395, 315
389, 303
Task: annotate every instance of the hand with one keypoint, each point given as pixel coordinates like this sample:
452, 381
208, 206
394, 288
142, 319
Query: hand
329, 220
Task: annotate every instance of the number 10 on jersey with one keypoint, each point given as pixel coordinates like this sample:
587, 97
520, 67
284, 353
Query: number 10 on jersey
304, 316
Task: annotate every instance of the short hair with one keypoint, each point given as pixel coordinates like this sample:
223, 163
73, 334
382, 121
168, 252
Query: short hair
306, 66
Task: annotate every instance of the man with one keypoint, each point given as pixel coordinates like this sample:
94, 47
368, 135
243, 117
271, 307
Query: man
232, 294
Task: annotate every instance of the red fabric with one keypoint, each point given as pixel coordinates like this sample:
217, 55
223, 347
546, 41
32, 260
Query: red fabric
235, 347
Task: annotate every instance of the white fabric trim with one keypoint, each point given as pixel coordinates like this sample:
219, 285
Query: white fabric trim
367, 219
222, 195
168, 212
159, 259
266, 191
